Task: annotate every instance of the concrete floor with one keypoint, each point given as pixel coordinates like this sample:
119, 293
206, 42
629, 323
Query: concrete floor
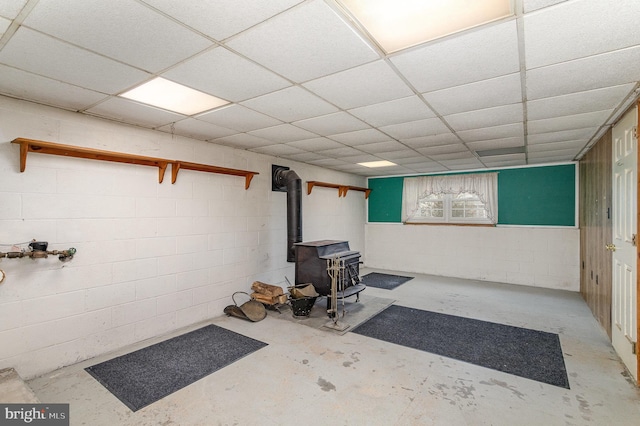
315, 377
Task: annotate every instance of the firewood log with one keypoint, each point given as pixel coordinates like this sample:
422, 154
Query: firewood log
266, 289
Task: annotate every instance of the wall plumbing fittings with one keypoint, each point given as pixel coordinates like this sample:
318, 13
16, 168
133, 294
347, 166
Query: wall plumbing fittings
63, 255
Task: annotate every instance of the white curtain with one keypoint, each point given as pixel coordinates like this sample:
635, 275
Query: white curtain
484, 185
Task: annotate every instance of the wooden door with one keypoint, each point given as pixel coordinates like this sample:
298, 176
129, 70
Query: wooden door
624, 310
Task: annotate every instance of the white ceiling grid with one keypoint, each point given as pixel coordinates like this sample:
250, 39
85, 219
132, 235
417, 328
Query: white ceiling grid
305, 84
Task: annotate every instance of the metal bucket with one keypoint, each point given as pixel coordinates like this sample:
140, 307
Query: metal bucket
301, 307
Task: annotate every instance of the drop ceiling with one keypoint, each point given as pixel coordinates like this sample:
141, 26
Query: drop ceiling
305, 83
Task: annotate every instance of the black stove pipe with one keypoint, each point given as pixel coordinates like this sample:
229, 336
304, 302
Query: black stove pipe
292, 181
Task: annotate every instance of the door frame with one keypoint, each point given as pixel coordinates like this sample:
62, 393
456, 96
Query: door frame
637, 105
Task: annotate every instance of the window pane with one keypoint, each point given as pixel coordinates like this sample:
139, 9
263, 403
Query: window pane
457, 213
431, 207
473, 213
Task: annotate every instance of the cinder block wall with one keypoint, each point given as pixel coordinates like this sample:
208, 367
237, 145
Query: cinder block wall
524, 255
152, 258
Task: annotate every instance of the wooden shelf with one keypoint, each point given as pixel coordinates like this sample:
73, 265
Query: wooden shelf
177, 165
342, 189
31, 145
41, 147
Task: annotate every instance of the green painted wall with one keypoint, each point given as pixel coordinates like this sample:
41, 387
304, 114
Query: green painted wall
543, 195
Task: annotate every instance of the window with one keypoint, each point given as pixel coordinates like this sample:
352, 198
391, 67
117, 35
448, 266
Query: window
469, 199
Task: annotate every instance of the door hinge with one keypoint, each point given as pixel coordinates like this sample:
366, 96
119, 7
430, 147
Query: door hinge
634, 239
635, 132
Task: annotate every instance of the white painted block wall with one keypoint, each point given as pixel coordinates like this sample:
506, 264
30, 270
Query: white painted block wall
534, 256
152, 257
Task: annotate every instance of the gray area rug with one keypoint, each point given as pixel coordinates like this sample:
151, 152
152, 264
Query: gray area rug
355, 313
384, 281
149, 374
532, 354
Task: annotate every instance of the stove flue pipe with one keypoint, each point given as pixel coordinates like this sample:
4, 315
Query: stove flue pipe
288, 178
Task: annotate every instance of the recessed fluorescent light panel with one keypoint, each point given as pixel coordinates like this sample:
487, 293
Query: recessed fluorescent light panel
398, 24
373, 164
174, 97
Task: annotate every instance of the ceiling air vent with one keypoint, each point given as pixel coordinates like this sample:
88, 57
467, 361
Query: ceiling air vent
501, 151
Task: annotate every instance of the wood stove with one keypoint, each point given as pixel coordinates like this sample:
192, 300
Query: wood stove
312, 259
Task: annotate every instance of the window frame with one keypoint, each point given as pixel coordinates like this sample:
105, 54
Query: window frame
484, 186
447, 217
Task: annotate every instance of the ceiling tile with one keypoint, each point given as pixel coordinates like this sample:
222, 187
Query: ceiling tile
132, 112
431, 167
496, 143
478, 54
360, 137
443, 149
43, 55
489, 117
306, 156
551, 40
291, 104
344, 151
4, 24
389, 171
360, 158
328, 162
397, 156
594, 72
491, 133
424, 141
415, 159
531, 5
462, 163
398, 111
197, 129
576, 103
238, 118
25, 85
110, 27
316, 144
551, 160
565, 135
226, 75
364, 85
565, 154
278, 150
10, 8
336, 123
374, 148
350, 168
414, 129
283, 133
482, 94
220, 19
557, 146
300, 43
242, 141
577, 121
449, 156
